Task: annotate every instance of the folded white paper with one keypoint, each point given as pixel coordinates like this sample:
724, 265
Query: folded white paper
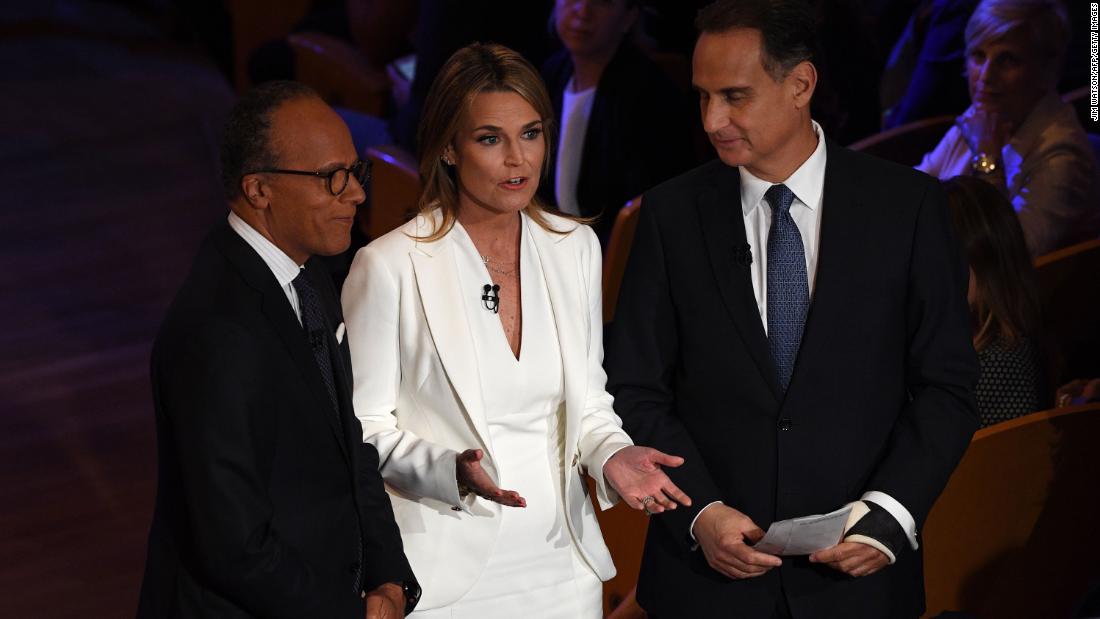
805, 535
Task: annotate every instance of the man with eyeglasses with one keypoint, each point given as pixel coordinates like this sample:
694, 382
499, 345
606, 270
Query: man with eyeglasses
269, 502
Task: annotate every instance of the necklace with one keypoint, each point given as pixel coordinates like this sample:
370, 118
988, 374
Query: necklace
499, 267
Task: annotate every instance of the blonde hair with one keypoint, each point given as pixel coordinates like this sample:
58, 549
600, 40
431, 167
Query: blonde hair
1045, 21
472, 70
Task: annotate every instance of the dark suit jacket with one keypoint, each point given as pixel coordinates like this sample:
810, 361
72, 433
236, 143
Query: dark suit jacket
639, 133
880, 399
258, 500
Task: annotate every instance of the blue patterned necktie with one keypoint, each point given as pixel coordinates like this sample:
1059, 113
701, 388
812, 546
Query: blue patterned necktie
788, 288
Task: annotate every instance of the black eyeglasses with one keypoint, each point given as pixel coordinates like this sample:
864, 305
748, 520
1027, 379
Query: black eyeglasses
337, 179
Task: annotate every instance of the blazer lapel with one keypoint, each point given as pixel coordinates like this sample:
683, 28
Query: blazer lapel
838, 256
438, 284
564, 275
279, 314
724, 235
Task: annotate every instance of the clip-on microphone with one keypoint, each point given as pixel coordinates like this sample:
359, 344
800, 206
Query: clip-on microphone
491, 297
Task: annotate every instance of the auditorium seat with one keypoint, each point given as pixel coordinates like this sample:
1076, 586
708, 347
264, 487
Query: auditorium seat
623, 531
906, 144
618, 250
394, 192
339, 73
628, 608
1069, 290
1015, 532
1079, 99
255, 22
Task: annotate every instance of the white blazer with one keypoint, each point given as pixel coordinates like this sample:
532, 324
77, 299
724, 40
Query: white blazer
418, 395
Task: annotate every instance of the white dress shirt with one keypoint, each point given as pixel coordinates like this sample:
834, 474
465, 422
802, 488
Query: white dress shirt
576, 107
808, 184
282, 267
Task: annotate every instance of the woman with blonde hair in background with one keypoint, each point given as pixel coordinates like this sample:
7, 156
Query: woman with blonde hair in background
476, 342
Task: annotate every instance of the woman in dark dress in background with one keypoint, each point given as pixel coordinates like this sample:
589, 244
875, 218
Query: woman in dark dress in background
1004, 302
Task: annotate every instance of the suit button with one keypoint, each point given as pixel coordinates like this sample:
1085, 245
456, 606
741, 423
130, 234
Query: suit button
784, 424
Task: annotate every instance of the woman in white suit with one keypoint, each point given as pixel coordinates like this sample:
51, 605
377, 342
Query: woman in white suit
476, 342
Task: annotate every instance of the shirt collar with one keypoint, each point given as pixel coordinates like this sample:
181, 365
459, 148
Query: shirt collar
807, 182
282, 267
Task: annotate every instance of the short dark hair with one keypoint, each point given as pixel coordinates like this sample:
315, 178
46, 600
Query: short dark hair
786, 28
246, 140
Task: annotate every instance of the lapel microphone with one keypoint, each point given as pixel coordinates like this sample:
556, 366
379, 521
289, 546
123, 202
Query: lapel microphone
743, 254
490, 297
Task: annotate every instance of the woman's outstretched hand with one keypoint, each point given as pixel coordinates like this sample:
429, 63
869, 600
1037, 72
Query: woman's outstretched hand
635, 473
473, 478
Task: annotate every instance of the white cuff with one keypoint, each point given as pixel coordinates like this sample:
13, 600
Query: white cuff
606, 496
691, 529
615, 451
898, 511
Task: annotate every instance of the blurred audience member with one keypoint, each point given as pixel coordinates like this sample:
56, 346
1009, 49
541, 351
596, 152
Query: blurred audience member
846, 99
924, 74
381, 29
624, 126
445, 26
1017, 133
1080, 391
1004, 302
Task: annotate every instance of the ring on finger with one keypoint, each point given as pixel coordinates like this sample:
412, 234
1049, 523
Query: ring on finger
645, 504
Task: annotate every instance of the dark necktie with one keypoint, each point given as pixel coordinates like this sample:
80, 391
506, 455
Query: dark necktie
315, 326
788, 288
313, 321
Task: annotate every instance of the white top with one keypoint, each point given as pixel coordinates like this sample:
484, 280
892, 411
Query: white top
807, 183
533, 564
1049, 173
576, 107
282, 267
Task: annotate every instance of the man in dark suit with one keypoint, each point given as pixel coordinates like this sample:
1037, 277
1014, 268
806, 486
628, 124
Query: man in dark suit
269, 502
793, 323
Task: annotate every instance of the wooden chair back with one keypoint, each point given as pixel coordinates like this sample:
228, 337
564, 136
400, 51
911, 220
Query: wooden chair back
394, 193
382, 29
1069, 289
1015, 532
255, 22
624, 532
618, 250
339, 73
1079, 99
628, 608
906, 144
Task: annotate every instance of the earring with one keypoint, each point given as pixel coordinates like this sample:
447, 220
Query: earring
446, 160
